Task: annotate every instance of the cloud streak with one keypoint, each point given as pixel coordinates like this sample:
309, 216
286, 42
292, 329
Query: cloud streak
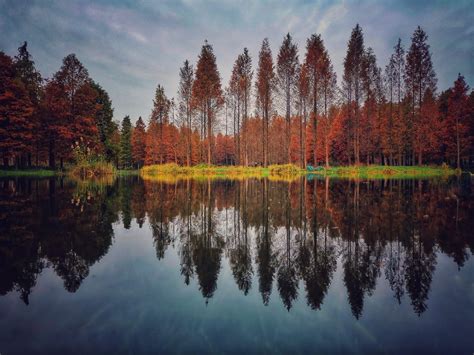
131, 46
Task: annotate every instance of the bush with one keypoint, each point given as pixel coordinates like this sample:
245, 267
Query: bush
88, 164
283, 170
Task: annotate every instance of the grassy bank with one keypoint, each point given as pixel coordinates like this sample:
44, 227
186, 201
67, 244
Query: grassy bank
28, 172
92, 170
276, 172
289, 172
384, 172
173, 171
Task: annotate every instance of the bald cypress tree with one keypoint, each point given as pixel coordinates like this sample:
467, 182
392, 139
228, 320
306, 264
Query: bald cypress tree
159, 117
313, 61
287, 76
265, 86
32, 81
419, 77
207, 94
186, 78
352, 85
15, 114
69, 110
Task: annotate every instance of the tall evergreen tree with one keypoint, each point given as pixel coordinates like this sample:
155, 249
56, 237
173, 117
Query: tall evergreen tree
138, 143
104, 121
126, 143
394, 89
265, 86
160, 117
207, 94
246, 74
313, 63
419, 77
352, 85
287, 73
186, 79
32, 81
457, 122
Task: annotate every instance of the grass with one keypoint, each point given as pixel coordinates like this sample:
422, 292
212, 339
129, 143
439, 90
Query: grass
291, 172
28, 172
386, 172
92, 170
174, 171
287, 172
126, 172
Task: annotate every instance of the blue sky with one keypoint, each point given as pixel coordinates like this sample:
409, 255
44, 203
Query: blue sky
131, 46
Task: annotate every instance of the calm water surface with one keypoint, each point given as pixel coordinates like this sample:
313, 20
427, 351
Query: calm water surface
236, 266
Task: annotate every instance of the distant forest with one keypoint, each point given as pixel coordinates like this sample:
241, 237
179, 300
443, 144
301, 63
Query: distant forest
289, 109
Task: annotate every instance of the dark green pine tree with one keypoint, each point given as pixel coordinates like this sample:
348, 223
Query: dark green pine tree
126, 144
104, 121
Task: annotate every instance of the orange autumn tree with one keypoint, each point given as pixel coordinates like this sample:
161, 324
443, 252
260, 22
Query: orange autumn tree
299, 116
69, 111
16, 111
207, 96
31, 79
265, 87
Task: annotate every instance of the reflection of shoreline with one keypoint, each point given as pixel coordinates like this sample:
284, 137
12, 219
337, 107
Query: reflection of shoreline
270, 232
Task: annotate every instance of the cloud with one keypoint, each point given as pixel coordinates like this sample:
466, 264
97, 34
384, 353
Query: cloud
131, 46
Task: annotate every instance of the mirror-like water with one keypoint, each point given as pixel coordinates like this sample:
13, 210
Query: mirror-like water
233, 266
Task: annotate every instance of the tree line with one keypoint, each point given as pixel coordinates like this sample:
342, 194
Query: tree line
291, 111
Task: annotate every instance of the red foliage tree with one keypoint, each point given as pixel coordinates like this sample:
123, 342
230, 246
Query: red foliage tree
69, 110
16, 111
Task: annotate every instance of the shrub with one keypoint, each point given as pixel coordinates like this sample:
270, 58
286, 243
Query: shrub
284, 170
88, 164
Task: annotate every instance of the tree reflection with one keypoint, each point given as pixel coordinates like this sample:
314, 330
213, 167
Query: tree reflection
288, 232
265, 258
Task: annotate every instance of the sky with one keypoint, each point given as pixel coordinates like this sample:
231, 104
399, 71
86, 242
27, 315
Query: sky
130, 47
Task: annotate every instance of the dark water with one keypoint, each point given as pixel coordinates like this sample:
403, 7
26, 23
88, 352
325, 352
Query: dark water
229, 266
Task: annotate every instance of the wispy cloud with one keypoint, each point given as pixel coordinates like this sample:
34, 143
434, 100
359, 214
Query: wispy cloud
131, 46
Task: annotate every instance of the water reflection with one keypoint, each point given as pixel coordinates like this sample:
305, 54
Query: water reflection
280, 237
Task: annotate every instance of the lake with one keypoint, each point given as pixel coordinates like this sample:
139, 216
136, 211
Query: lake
312, 265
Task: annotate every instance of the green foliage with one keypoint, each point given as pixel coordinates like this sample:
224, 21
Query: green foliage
125, 157
385, 172
104, 121
88, 164
29, 172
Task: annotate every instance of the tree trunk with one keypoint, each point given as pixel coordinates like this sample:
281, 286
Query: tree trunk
209, 135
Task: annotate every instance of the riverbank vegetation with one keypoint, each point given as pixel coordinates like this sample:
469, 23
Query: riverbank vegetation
289, 171
276, 112
27, 173
231, 172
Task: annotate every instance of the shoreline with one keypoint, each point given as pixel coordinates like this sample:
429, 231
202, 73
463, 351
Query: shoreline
281, 172
291, 171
